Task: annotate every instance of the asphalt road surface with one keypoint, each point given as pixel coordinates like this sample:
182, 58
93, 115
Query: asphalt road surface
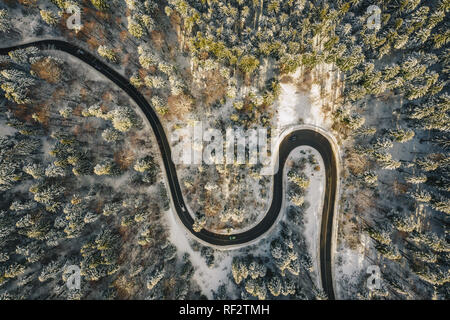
297, 138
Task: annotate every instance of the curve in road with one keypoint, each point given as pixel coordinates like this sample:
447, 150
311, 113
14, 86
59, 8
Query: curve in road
292, 140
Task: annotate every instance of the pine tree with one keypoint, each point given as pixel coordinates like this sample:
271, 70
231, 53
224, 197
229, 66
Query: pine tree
135, 28
34, 170
101, 5
256, 270
123, 119
248, 64
389, 251
442, 205
155, 82
421, 196
112, 135
416, 179
50, 271
294, 266
22, 206
199, 224
405, 223
401, 135
154, 279
14, 270
276, 249
111, 209
367, 131
105, 167
370, 178
391, 164
288, 287
22, 56
48, 194
66, 112
297, 200
239, 270
53, 171
430, 163
49, 17
136, 80
274, 286
441, 39
96, 111
144, 164
91, 217
300, 180
382, 236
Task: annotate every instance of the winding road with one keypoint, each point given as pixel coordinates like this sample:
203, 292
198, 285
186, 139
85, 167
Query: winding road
308, 137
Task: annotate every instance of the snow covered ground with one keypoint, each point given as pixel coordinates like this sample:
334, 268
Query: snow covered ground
348, 271
6, 130
209, 279
302, 98
314, 196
